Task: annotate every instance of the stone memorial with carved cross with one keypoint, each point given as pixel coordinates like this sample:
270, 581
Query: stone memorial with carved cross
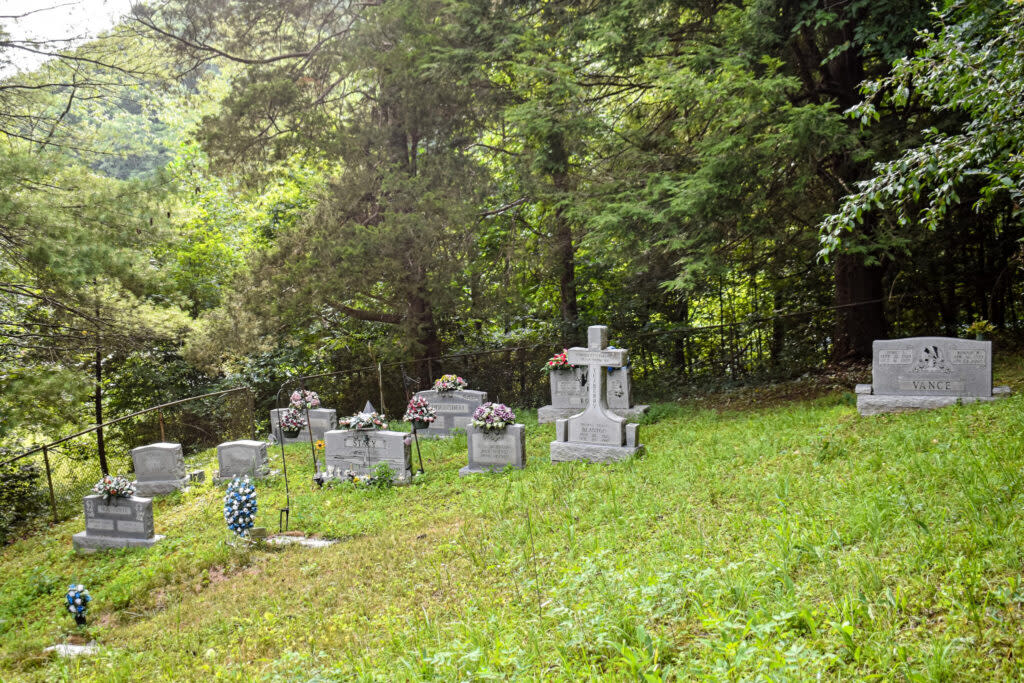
596, 434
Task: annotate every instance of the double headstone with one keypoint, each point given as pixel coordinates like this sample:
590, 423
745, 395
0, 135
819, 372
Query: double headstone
454, 410
116, 523
362, 450
596, 434
321, 421
569, 393
242, 459
492, 450
159, 469
927, 372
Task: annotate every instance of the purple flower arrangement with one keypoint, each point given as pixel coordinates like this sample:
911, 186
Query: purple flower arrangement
292, 420
450, 383
493, 416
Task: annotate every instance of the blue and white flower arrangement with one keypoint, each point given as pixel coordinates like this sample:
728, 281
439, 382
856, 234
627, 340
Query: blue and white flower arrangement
77, 602
240, 506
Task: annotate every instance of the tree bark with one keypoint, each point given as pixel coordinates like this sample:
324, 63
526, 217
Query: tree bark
860, 312
564, 249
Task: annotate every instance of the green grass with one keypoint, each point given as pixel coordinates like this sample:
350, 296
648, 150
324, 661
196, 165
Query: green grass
789, 541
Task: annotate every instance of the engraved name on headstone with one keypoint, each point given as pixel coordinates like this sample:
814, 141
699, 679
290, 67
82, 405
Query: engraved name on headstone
454, 410
362, 450
494, 450
119, 523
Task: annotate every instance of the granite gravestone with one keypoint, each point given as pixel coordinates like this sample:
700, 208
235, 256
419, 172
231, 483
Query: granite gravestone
361, 450
454, 410
159, 469
596, 434
117, 523
242, 459
569, 394
321, 421
620, 393
927, 372
492, 450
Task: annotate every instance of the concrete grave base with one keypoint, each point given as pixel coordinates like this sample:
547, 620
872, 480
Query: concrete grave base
566, 451
549, 414
85, 544
870, 404
70, 650
160, 488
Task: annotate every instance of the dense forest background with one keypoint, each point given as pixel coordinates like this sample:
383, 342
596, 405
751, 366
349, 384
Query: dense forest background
223, 193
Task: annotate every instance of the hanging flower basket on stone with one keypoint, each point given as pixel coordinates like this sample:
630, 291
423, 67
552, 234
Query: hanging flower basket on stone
292, 422
450, 383
420, 413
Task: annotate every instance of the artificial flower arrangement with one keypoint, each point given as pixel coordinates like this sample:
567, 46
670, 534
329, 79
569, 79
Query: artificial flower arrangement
304, 400
979, 328
559, 361
292, 421
77, 602
240, 506
114, 487
450, 383
493, 416
419, 410
363, 420
383, 476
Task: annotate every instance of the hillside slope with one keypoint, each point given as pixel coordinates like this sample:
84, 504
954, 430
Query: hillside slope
789, 540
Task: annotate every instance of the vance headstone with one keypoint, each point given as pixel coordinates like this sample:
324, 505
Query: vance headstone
117, 523
454, 410
159, 469
492, 450
927, 372
596, 434
361, 450
321, 421
242, 459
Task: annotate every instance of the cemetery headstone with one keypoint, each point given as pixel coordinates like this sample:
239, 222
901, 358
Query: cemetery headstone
321, 421
620, 393
492, 450
454, 410
242, 459
117, 523
361, 450
927, 372
569, 394
159, 469
596, 434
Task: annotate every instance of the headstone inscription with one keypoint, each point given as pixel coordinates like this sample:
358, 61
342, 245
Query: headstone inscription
492, 450
454, 410
242, 459
596, 434
361, 450
569, 394
159, 469
927, 372
116, 523
321, 421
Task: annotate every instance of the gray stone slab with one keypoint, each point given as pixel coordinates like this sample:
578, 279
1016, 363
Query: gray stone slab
454, 410
868, 404
159, 469
115, 523
321, 421
494, 450
362, 450
245, 458
71, 650
931, 366
596, 434
85, 544
549, 414
568, 389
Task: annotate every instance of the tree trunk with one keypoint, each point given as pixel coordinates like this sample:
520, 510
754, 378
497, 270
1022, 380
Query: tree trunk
860, 313
421, 314
564, 249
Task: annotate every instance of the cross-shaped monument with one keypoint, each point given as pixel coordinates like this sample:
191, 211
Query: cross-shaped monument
596, 434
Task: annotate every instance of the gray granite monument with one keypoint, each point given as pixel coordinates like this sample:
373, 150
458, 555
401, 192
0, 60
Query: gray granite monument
321, 421
118, 523
159, 469
242, 459
596, 434
492, 450
569, 394
927, 372
454, 410
361, 450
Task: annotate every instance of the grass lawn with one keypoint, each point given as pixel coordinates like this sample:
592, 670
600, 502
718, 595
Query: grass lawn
780, 539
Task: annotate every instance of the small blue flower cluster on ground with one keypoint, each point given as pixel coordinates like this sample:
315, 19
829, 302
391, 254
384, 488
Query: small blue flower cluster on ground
78, 600
240, 506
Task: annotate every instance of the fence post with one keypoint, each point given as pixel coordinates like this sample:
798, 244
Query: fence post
160, 415
49, 484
